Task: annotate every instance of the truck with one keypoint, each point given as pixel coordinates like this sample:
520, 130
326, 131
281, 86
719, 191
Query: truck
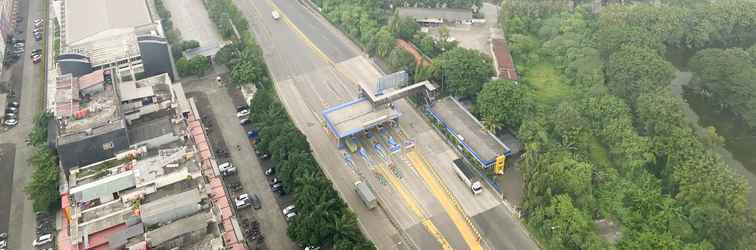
366, 194
467, 176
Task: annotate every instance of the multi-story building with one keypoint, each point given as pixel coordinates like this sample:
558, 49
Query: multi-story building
94, 116
121, 35
165, 194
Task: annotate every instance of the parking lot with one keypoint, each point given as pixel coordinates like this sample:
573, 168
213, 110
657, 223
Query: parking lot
7, 154
217, 107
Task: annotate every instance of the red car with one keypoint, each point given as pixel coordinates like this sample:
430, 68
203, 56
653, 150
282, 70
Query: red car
36, 59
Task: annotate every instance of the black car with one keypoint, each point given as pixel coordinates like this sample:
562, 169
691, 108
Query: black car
241, 107
36, 51
256, 201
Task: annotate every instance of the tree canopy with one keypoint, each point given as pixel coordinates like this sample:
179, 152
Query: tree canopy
462, 72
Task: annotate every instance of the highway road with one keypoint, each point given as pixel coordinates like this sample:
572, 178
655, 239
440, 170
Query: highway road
425, 206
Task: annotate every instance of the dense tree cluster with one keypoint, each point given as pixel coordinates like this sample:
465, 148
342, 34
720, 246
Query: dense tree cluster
43, 186
195, 66
323, 219
728, 76
226, 16
620, 147
462, 72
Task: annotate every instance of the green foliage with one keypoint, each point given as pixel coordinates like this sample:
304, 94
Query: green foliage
359, 19
43, 186
633, 70
196, 66
400, 59
224, 13
383, 42
322, 217
565, 226
729, 78
462, 72
38, 135
505, 102
187, 45
403, 27
550, 87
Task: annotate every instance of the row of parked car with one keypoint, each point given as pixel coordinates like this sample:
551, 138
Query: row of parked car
19, 47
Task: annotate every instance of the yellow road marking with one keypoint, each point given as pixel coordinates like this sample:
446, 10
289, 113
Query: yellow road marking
412, 204
456, 215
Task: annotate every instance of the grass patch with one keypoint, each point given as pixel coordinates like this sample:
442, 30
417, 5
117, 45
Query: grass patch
547, 81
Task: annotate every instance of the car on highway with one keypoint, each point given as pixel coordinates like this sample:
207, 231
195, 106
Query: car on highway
43, 239
242, 113
275, 15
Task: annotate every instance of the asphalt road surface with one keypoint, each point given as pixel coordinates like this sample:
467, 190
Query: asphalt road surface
26, 80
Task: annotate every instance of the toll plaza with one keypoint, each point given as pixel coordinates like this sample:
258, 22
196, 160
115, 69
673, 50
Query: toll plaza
468, 134
374, 107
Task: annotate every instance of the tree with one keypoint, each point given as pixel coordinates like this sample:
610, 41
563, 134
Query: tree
634, 70
403, 27
190, 44
383, 42
505, 102
462, 72
711, 138
565, 226
400, 59
196, 66
43, 187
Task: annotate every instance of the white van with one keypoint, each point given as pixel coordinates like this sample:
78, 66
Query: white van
275, 15
41, 240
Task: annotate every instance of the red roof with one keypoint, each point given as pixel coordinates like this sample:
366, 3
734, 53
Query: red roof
91, 79
505, 67
100, 239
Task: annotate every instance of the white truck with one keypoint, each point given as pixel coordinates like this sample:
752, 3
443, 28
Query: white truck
366, 194
467, 176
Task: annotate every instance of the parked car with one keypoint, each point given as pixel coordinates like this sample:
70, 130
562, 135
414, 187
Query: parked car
39, 20
3, 236
288, 209
15, 105
242, 113
275, 181
37, 51
227, 169
290, 216
41, 240
36, 59
241, 107
19, 45
276, 187
242, 201
244, 121
256, 203
270, 171
11, 109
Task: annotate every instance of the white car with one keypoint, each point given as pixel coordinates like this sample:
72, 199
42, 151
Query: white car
41, 240
275, 15
242, 201
10, 122
242, 113
288, 209
226, 168
290, 216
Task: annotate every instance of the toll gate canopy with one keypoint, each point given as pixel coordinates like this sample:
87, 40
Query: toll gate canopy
358, 115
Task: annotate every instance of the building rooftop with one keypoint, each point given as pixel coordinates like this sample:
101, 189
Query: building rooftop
91, 79
84, 19
144, 130
445, 14
349, 118
196, 222
469, 130
66, 96
505, 68
96, 114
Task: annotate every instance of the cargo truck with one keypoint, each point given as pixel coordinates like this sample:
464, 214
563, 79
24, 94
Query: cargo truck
366, 194
467, 176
